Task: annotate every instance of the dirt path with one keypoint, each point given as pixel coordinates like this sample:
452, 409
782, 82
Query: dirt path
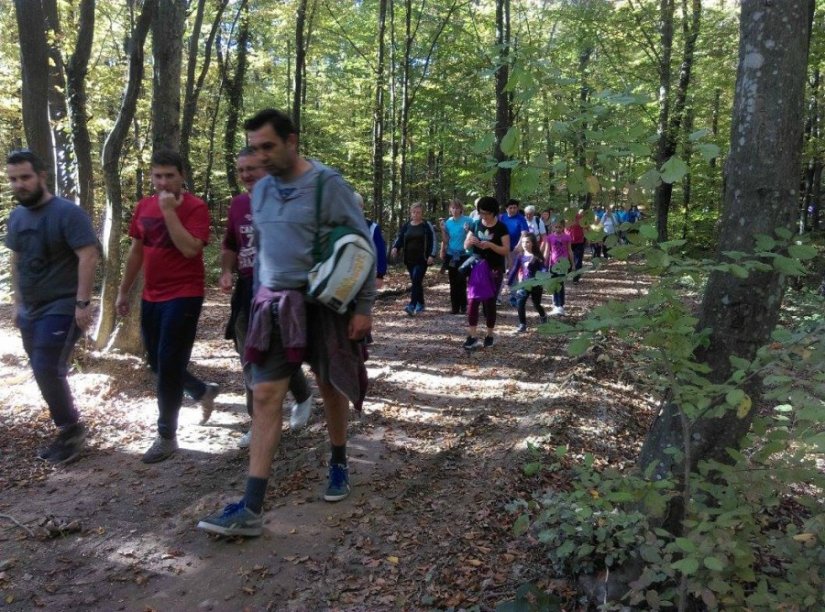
434, 459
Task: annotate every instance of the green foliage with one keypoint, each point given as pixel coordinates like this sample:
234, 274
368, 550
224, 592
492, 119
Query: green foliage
753, 529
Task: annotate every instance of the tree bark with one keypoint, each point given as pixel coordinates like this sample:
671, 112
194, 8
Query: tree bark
234, 97
34, 67
504, 100
300, 64
112, 229
76, 71
378, 120
167, 50
761, 183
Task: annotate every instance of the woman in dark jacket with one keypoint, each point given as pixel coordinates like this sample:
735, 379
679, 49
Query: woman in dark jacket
417, 240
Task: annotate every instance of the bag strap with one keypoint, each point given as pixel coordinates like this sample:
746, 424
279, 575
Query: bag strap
319, 190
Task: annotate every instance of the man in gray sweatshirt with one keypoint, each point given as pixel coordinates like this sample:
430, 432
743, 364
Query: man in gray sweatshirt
283, 212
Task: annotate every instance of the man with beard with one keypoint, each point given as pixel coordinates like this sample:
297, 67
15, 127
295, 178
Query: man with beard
284, 217
54, 254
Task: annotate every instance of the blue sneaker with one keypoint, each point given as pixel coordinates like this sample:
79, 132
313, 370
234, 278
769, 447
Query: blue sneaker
409, 309
338, 487
234, 520
419, 308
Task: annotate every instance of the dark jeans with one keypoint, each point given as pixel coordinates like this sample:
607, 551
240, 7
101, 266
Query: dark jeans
578, 256
458, 287
48, 342
558, 294
521, 303
169, 330
298, 384
417, 272
489, 304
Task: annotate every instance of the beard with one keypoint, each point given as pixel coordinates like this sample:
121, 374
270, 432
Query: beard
30, 199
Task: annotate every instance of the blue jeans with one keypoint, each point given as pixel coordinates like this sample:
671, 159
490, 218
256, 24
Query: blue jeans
558, 294
417, 273
48, 342
169, 330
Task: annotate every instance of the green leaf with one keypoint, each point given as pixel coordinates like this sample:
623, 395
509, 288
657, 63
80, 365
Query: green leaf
764, 243
699, 134
734, 396
649, 231
714, 564
674, 169
687, 566
686, 545
510, 142
802, 251
531, 469
578, 346
783, 232
708, 151
484, 144
521, 525
788, 266
650, 179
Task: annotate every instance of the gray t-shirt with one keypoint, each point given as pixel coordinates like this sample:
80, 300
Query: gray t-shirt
45, 239
283, 214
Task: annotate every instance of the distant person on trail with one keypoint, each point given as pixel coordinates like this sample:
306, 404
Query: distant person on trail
525, 267
169, 230
284, 218
516, 225
417, 239
238, 255
535, 225
380, 246
489, 240
578, 242
453, 253
609, 223
556, 249
54, 251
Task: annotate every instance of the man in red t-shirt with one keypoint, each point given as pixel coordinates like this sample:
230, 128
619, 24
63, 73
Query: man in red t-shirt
169, 231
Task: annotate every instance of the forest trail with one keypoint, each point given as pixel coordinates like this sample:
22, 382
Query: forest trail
435, 458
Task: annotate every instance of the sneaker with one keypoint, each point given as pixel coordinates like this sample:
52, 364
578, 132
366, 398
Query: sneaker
557, 311
419, 308
300, 414
471, 343
161, 449
521, 328
338, 486
245, 440
207, 401
66, 447
409, 309
560, 311
234, 520
543, 319
489, 341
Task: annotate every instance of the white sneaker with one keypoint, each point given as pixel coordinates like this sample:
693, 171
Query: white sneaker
557, 311
245, 440
300, 414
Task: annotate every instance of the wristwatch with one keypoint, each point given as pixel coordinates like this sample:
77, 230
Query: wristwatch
82, 303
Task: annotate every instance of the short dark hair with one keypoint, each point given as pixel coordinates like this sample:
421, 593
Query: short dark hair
513, 201
487, 204
279, 121
167, 157
21, 156
246, 152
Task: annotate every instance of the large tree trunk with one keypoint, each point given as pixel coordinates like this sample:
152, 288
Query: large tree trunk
234, 97
300, 64
112, 229
167, 50
76, 71
504, 99
34, 66
378, 121
762, 179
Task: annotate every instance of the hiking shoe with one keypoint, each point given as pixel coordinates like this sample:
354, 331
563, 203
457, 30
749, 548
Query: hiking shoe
543, 320
161, 449
471, 343
234, 520
419, 308
338, 486
301, 411
489, 341
66, 447
557, 311
520, 329
207, 401
409, 309
245, 440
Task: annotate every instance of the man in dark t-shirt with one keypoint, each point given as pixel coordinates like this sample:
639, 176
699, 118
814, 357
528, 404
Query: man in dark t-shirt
54, 254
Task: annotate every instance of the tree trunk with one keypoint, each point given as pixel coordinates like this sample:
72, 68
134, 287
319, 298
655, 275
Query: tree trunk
300, 62
112, 229
234, 97
378, 121
167, 50
504, 100
76, 71
762, 178
34, 67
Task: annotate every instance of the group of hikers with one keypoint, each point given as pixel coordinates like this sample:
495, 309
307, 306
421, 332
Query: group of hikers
268, 250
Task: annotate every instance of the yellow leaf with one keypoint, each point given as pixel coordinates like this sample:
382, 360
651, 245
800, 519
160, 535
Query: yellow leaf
593, 184
594, 494
393, 559
474, 562
805, 537
744, 407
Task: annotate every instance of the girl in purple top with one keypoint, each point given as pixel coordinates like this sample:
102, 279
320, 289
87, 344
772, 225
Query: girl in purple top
557, 248
524, 268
